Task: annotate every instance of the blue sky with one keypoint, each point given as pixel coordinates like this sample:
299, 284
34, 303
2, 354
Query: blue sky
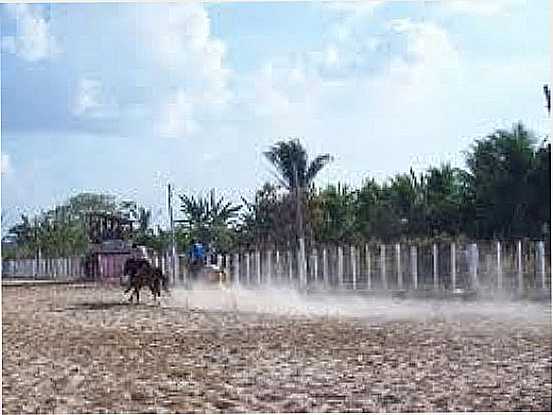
121, 98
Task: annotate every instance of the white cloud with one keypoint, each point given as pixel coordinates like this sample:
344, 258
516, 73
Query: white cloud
34, 40
359, 88
177, 117
428, 49
5, 164
93, 101
481, 7
193, 60
359, 8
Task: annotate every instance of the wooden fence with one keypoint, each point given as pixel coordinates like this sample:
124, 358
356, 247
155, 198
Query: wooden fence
49, 268
486, 266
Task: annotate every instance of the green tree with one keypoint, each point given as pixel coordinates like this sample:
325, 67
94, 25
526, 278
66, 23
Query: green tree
333, 214
209, 220
268, 219
447, 207
500, 167
295, 172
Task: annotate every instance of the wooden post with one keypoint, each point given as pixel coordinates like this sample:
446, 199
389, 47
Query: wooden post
453, 267
258, 267
269, 266
541, 263
237, 269
499, 268
474, 261
383, 267
435, 265
325, 267
315, 265
290, 266
302, 263
183, 266
248, 272
340, 267
227, 266
519, 268
398, 264
177, 270
278, 271
353, 267
414, 267
368, 266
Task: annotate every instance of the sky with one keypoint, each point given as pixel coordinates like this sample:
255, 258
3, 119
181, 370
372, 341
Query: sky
124, 98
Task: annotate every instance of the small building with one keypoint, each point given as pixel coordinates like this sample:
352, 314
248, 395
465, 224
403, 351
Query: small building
109, 235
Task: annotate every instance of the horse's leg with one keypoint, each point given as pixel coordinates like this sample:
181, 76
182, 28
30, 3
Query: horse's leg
155, 292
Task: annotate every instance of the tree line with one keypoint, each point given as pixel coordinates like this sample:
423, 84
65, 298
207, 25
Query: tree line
503, 193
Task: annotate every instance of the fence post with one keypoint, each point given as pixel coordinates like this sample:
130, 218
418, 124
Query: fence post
519, 267
228, 270
325, 267
290, 266
499, 268
453, 266
474, 261
368, 266
178, 277
258, 266
353, 267
435, 266
398, 264
315, 265
277, 266
302, 263
269, 266
237, 269
414, 267
248, 275
340, 267
541, 262
383, 266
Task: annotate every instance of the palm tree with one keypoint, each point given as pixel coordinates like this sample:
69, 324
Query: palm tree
290, 160
294, 172
207, 219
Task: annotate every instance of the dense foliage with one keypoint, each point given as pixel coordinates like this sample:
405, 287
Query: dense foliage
503, 193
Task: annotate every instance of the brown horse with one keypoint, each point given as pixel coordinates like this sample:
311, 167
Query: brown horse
142, 274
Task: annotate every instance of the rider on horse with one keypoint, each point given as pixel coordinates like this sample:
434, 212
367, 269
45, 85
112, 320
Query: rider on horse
197, 258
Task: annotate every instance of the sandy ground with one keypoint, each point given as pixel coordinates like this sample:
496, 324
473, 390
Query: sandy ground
68, 349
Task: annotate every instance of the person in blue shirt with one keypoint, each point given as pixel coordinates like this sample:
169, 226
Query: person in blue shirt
197, 258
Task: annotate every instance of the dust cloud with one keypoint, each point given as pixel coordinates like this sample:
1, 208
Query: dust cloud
289, 302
